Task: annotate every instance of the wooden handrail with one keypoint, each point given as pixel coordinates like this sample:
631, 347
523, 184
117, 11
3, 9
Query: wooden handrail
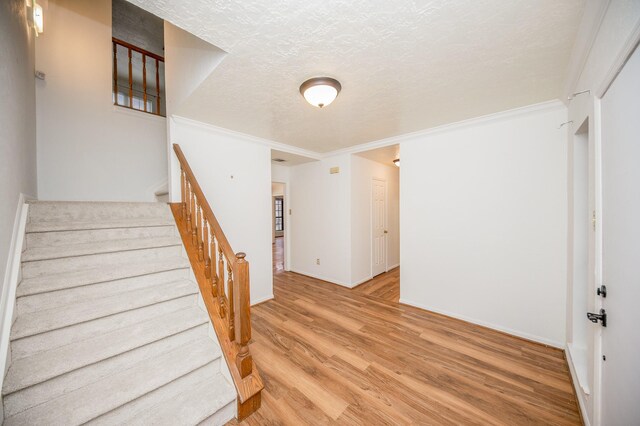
195, 187
145, 54
227, 300
137, 49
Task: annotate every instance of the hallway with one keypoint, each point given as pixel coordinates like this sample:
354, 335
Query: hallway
332, 355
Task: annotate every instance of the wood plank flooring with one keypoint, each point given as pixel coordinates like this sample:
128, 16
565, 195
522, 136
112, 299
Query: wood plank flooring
331, 355
384, 286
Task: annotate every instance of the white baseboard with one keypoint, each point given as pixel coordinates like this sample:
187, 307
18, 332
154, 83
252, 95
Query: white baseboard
582, 403
337, 282
11, 280
262, 299
390, 267
323, 278
516, 333
362, 281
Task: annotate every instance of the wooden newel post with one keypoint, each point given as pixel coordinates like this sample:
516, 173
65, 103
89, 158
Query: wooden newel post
242, 302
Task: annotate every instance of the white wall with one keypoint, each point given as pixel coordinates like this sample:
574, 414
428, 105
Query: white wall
277, 189
188, 62
17, 150
280, 173
17, 118
235, 175
483, 219
321, 219
363, 171
89, 149
331, 218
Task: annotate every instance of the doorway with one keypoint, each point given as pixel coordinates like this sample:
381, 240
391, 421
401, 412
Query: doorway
375, 214
579, 285
378, 227
278, 225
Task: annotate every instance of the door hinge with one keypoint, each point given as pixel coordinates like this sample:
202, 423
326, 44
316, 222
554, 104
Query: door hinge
602, 317
593, 220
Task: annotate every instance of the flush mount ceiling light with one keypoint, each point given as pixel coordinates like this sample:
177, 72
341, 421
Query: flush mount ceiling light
397, 162
320, 91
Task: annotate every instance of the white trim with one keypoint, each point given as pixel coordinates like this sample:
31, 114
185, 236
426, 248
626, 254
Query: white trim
323, 278
249, 138
621, 59
578, 390
589, 27
583, 379
264, 299
394, 266
362, 281
503, 115
332, 281
517, 333
11, 279
596, 117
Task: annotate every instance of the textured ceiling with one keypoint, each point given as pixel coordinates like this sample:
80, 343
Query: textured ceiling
404, 65
289, 159
384, 155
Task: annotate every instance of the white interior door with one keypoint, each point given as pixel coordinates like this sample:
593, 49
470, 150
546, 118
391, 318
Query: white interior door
379, 231
621, 247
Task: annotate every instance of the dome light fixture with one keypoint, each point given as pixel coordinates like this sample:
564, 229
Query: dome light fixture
320, 91
397, 162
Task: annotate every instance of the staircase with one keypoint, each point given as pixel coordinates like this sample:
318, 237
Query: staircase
109, 326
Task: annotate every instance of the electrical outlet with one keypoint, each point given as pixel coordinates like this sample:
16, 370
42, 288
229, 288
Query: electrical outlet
317, 261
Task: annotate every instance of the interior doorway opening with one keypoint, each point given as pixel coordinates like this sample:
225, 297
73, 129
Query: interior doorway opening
375, 218
580, 267
278, 225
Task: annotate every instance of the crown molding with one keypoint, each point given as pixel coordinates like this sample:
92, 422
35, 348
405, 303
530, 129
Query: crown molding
592, 18
249, 138
498, 116
503, 115
623, 56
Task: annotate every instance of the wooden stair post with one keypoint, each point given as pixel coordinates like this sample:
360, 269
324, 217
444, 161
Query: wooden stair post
228, 302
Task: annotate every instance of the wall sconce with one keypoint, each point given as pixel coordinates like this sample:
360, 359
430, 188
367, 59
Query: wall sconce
397, 162
38, 18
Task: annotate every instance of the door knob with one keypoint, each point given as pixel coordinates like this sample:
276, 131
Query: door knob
386, 232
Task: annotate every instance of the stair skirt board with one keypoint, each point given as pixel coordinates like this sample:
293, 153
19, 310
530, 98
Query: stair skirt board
11, 279
109, 324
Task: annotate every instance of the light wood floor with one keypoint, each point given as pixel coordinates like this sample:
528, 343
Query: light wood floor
330, 355
385, 286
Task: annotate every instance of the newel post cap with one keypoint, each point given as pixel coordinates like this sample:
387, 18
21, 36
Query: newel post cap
241, 255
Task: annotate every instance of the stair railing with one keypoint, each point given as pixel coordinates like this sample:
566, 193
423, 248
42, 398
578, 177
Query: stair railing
224, 275
142, 88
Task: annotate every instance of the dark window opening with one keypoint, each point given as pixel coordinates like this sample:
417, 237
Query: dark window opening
278, 208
